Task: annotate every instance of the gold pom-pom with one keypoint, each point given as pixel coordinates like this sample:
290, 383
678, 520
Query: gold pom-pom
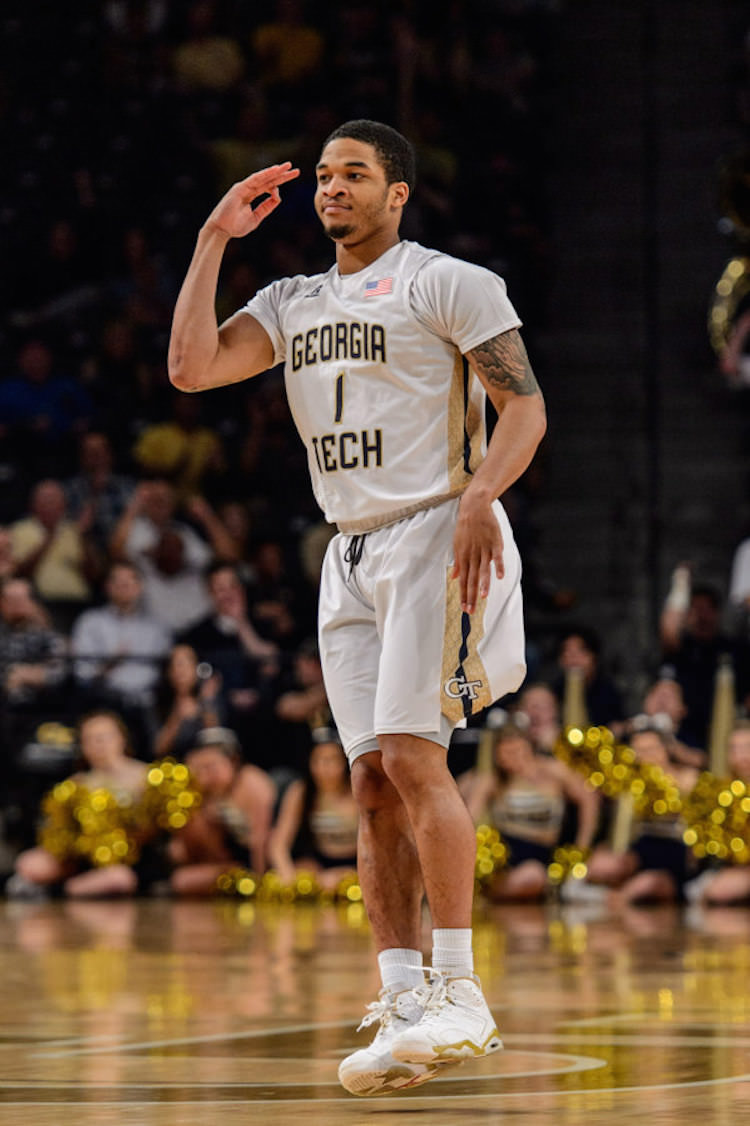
568, 863
717, 815
237, 882
613, 769
91, 825
270, 888
716, 812
492, 854
348, 889
171, 797
104, 828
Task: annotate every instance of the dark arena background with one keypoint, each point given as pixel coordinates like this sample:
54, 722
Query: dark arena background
597, 156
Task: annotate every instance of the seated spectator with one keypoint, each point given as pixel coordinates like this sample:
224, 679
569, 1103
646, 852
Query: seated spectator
264, 439
120, 376
181, 449
316, 827
739, 592
282, 606
207, 58
524, 797
287, 50
57, 282
313, 544
118, 649
664, 708
56, 553
42, 409
537, 710
142, 286
729, 884
301, 706
232, 827
188, 700
32, 665
657, 863
734, 359
245, 142
169, 554
105, 750
693, 644
247, 665
7, 562
580, 648
97, 489
235, 517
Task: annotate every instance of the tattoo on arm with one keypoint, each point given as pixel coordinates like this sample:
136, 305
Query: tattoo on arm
504, 363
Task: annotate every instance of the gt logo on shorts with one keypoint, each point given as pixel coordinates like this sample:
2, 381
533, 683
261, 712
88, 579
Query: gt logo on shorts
458, 686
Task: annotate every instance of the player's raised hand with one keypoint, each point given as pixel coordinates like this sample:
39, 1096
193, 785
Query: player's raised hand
235, 214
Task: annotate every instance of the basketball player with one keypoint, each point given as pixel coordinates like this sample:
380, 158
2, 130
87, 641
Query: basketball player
388, 357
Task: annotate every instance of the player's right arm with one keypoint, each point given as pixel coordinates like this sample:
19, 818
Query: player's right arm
202, 354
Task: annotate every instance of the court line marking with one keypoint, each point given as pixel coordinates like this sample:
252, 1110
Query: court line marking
569, 1065
414, 1101
663, 1038
627, 1018
217, 1037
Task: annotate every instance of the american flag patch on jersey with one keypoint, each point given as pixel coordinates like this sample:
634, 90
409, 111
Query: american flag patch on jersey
376, 288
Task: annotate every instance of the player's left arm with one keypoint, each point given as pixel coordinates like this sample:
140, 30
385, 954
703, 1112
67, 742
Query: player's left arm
502, 365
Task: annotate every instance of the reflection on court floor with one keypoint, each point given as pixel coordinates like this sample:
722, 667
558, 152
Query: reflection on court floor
154, 1012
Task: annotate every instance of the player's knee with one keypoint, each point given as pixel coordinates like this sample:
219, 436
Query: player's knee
370, 786
413, 764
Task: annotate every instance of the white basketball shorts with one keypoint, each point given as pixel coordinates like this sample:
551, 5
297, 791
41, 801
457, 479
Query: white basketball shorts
399, 655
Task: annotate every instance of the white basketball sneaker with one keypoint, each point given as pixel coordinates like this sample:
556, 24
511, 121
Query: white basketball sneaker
373, 1070
456, 1024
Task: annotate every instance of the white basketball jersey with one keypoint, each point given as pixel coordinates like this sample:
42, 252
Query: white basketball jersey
391, 416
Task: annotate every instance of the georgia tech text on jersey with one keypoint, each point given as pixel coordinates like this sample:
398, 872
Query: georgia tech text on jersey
342, 340
349, 450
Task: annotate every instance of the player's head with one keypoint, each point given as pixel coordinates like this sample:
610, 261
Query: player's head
395, 154
365, 174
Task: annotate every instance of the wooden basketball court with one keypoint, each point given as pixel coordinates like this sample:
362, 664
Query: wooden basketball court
155, 1013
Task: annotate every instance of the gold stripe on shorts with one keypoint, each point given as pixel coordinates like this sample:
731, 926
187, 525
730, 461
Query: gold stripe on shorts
465, 687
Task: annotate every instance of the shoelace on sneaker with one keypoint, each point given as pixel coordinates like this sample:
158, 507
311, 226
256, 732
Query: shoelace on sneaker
431, 995
381, 1010
434, 993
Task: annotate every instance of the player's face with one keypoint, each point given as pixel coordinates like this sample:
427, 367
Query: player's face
353, 200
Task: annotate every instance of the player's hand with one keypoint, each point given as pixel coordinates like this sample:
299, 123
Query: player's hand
235, 215
477, 548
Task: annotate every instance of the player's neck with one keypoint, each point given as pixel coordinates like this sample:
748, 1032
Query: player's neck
357, 256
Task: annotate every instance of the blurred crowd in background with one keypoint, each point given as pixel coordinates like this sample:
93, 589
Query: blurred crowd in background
160, 552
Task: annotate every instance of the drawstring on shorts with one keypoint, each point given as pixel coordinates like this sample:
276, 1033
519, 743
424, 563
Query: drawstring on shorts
353, 553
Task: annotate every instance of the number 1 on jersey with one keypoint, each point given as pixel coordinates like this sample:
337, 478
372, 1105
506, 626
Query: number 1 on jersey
339, 397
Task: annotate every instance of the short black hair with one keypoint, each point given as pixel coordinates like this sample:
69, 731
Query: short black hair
707, 591
394, 152
588, 636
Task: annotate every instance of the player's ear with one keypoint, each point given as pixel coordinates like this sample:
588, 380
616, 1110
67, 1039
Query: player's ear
399, 193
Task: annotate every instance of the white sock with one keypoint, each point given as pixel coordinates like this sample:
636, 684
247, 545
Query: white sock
451, 951
400, 969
